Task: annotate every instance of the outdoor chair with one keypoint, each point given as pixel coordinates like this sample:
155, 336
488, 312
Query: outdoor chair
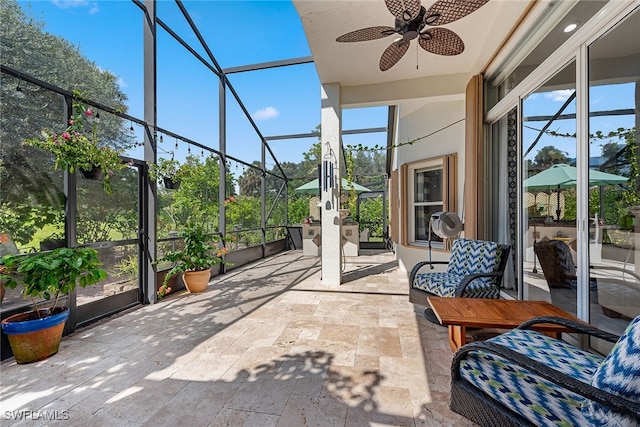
525, 378
556, 262
617, 296
474, 270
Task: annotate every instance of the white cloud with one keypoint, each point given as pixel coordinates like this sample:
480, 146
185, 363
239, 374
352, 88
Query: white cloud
66, 4
560, 95
266, 113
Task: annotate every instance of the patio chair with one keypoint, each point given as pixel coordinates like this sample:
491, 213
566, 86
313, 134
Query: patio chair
556, 262
619, 296
474, 270
524, 378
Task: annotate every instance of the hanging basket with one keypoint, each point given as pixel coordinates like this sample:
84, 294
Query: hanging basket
95, 173
171, 184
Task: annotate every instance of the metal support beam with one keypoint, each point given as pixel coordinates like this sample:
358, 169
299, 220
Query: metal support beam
148, 232
222, 159
267, 65
317, 134
263, 197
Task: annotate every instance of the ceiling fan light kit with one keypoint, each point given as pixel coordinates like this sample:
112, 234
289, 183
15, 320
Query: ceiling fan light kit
411, 20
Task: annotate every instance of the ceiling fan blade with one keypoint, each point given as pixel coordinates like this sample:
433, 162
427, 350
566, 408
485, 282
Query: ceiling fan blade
392, 54
441, 41
364, 34
444, 11
404, 10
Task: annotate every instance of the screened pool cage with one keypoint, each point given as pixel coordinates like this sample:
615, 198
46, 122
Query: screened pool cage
44, 206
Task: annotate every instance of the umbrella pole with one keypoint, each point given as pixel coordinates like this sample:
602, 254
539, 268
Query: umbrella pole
558, 206
535, 238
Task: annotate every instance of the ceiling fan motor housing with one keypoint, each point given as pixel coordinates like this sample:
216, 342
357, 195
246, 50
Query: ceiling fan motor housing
411, 29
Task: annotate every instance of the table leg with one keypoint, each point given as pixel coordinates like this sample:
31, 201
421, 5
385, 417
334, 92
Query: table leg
457, 336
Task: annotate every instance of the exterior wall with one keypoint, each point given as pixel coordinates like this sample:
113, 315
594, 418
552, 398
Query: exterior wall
424, 121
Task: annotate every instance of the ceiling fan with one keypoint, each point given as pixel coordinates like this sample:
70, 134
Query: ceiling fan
411, 20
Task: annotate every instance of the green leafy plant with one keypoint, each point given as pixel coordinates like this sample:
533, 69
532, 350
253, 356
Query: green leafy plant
126, 267
197, 254
77, 148
167, 168
48, 275
352, 194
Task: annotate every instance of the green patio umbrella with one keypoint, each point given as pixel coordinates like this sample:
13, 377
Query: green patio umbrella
564, 176
313, 187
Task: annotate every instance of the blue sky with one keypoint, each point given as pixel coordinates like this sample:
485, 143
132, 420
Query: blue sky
282, 101
602, 98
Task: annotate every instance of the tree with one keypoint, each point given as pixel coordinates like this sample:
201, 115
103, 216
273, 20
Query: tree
250, 182
549, 156
30, 184
371, 215
197, 198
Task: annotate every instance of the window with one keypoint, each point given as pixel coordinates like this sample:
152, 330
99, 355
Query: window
430, 188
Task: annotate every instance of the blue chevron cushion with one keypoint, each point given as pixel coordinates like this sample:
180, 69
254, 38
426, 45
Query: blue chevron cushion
540, 401
467, 257
444, 284
472, 256
618, 374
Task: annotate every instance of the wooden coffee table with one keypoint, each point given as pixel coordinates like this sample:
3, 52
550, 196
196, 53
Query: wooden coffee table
462, 313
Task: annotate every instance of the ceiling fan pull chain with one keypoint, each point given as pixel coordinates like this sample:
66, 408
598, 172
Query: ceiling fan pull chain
417, 64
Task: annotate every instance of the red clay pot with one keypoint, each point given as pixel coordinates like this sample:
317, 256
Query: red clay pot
197, 281
33, 339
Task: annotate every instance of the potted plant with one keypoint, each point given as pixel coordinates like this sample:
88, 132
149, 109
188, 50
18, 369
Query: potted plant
47, 276
75, 148
169, 171
194, 260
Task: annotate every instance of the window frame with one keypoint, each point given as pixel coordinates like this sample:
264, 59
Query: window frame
448, 164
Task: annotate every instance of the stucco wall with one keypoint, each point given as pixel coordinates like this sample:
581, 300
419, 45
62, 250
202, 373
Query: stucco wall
425, 121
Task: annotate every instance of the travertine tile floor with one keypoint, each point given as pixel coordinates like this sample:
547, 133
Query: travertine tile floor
266, 345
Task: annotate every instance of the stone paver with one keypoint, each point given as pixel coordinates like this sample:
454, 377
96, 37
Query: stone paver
266, 345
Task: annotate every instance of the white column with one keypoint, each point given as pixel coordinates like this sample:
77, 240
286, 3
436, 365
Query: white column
330, 198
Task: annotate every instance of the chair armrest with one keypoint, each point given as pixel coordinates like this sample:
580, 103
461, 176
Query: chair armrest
418, 266
610, 267
578, 327
470, 278
615, 402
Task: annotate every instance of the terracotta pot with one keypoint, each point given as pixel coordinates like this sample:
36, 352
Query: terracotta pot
197, 281
34, 339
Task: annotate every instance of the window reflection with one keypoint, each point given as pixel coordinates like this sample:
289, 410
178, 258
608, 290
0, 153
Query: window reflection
614, 211
549, 191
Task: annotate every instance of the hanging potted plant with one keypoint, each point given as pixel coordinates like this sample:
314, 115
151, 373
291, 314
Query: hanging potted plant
45, 276
75, 148
194, 260
169, 171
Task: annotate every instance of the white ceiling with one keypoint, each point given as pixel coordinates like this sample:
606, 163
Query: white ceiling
355, 65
